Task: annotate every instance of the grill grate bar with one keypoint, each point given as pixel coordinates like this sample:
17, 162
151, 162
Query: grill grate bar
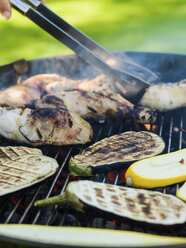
53, 183
161, 125
116, 178
181, 129
61, 223
29, 206
14, 209
56, 207
170, 134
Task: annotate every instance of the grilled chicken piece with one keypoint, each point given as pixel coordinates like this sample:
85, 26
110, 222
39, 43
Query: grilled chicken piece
87, 103
34, 87
18, 96
41, 80
21, 167
161, 97
98, 84
165, 97
137, 204
23, 94
94, 104
44, 126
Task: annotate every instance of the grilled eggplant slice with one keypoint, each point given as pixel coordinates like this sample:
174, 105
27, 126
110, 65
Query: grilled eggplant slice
44, 126
137, 204
181, 193
111, 153
21, 167
158, 171
55, 236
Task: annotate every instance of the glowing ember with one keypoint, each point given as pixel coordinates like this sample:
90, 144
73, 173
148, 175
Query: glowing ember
148, 126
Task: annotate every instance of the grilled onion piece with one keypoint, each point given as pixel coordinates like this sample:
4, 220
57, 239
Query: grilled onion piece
21, 167
111, 153
44, 126
165, 97
159, 171
137, 204
181, 193
82, 237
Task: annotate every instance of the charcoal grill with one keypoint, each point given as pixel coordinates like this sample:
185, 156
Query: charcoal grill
171, 126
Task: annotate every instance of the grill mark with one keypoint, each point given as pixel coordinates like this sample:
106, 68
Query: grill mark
12, 176
146, 210
15, 168
70, 123
16, 153
22, 111
1, 181
91, 109
39, 133
141, 198
116, 203
3, 155
132, 147
9, 149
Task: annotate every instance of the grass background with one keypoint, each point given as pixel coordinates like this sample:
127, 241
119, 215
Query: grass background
128, 25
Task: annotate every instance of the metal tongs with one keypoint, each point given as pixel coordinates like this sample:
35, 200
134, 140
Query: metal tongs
129, 79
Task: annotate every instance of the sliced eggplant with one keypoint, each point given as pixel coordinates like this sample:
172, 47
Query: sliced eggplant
111, 153
158, 171
21, 167
20, 236
137, 204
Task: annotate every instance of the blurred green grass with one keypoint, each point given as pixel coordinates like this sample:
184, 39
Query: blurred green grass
128, 25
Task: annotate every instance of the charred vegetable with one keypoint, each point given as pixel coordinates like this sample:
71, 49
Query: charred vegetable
111, 153
21, 167
158, 171
82, 237
137, 204
181, 193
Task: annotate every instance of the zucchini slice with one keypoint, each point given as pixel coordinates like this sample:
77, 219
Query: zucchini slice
23, 235
181, 193
137, 204
111, 153
159, 171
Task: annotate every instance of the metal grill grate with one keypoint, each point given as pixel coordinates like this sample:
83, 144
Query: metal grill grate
19, 207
